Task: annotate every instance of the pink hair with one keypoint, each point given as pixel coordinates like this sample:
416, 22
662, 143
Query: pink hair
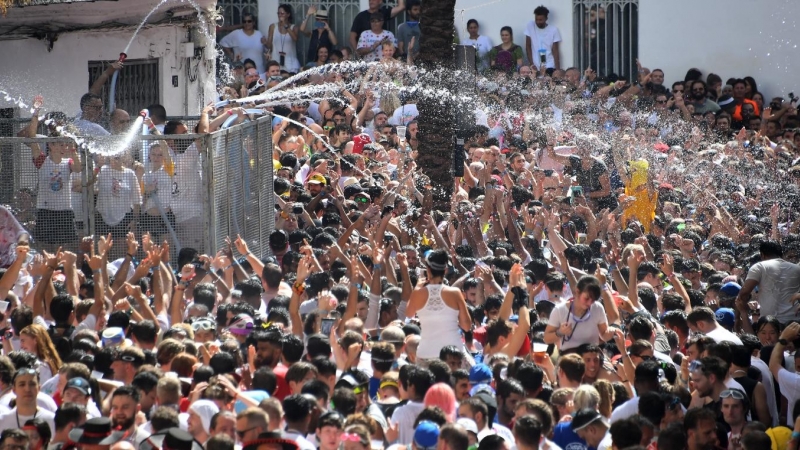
442, 395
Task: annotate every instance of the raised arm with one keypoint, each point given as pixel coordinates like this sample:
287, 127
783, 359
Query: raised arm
97, 86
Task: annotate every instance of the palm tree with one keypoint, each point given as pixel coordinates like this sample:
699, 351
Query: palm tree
436, 132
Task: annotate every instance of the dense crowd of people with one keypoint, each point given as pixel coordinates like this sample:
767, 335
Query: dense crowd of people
617, 267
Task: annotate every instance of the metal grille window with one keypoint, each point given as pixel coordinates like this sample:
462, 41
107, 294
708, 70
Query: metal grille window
606, 36
137, 84
234, 10
340, 19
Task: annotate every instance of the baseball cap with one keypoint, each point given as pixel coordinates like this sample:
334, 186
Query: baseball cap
725, 317
80, 384
480, 373
392, 334
468, 424
426, 435
586, 417
241, 325
730, 289
317, 179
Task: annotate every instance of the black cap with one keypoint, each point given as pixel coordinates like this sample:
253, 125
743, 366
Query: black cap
586, 417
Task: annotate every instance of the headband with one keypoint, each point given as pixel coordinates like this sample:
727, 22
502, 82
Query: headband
435, 266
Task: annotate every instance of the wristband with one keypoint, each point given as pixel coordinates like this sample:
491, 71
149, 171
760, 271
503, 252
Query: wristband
606, 288
357, 285
95, 270
612, 267
299, 287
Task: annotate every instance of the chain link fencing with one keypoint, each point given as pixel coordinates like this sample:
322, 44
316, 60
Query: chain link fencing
192, 190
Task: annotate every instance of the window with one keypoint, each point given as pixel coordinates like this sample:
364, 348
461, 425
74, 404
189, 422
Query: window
340, 18
137, 84
606, 36
233, 10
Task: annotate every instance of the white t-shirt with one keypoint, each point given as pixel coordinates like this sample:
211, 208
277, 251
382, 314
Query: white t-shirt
87, 128
483, 44
187, 185
404, 416
584, 330
720, 334
368, 39
54, 185
404, 114
542, 39
12, 420
778, 280
249, 47
162, 183
117, 192
789, 384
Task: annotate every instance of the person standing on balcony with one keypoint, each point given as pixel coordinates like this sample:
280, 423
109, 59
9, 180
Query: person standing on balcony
410, 30
88, 124
363, 20
542, 42
481, 43
282, 40
370, 44
245, 43
320, 33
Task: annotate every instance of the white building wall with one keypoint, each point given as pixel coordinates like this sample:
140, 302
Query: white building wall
494, 15
732, 38
62, 76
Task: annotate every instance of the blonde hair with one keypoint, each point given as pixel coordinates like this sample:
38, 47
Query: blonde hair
45, 350
586, 396
629, 249
389, 102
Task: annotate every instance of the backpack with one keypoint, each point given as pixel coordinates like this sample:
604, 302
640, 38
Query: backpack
62, 340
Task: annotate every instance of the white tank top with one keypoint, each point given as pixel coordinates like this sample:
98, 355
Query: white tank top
439, 324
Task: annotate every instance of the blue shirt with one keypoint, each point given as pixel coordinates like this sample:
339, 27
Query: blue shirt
374, 385
567, 439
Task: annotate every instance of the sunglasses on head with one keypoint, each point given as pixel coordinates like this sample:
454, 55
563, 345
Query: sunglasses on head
735, 393
204, 325
695, 365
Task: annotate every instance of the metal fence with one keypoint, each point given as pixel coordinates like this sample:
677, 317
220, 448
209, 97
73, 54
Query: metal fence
606, 36
216, 185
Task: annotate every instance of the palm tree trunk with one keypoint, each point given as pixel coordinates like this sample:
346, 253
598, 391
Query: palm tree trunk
436, 132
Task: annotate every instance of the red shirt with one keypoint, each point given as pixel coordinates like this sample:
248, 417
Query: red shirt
282, 391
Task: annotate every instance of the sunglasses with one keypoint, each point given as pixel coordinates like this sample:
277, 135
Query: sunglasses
242, 433
735, 393
204, 325
127, 358
361, 200
328, 128
645, 357
24, 371
247, 21
661, 102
